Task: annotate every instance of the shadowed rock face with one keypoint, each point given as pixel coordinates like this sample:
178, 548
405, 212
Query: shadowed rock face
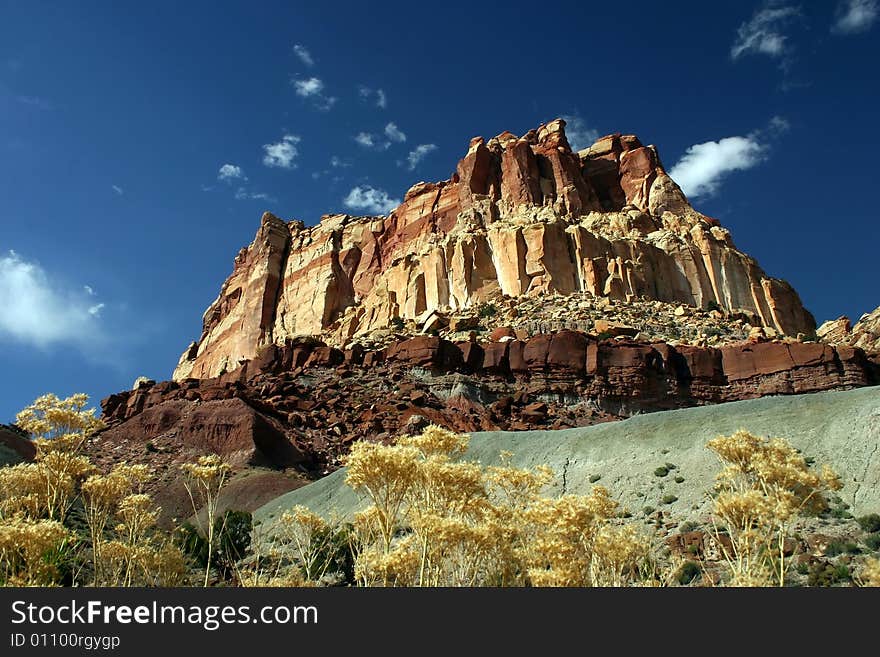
520, 216
15, 446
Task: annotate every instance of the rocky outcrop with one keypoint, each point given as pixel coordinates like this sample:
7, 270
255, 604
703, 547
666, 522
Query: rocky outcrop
304, 402
15, 445
520, 216
864, 335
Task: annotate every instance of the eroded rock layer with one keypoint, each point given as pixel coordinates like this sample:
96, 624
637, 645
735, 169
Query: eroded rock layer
520, 216
304, 402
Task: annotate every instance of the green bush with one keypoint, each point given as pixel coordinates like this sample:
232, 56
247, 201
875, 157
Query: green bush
837, 547
870, 523
688, 572
669, 499
594, 478
488, 310
679, 479
648, 510
662, 471
872, 541
827, 574
233, 531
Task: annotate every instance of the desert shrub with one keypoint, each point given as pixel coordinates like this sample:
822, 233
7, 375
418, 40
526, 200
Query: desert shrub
872, 541
870, 575
688, 572
234, 537
837, 547
488, 310
397, 322
594, 478
203, 482
713, 305
648, 510
679, 479
828, 574
26, 547
437, 520
233, 531
764, 486
870, 523
669, 499
661, 471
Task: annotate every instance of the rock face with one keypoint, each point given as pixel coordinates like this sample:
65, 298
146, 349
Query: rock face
305, 402
15, 446
520, 216
864, 335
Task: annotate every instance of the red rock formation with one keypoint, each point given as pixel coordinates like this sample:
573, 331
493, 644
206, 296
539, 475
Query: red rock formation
520, 216
267, 411
16, 444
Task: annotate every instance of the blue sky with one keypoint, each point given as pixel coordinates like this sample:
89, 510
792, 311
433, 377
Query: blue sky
140, 142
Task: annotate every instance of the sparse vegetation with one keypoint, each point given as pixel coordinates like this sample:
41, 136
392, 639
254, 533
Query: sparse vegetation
433, 519
764, 485
870, 523
112, 542
488, 310
688, 572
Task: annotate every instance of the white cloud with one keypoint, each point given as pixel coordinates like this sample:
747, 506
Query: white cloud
304, 55
338, 163
778, 125
393, 133
369, 140
763, 34
365, 139
308, 87
312, 88
325, 103
89, 290
40, 312
854, 16
118, 189
244, 194
703, 166
283, 153
372, 200
230, 172
377, 96
580, 136
418, 154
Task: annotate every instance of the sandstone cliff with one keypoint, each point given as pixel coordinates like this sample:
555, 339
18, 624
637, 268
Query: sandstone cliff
520, 216
864, 335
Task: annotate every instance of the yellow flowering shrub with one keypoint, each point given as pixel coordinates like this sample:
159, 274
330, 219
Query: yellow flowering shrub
203, 481
764, 485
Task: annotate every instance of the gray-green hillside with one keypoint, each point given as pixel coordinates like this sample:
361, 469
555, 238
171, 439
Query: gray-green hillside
838, 428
